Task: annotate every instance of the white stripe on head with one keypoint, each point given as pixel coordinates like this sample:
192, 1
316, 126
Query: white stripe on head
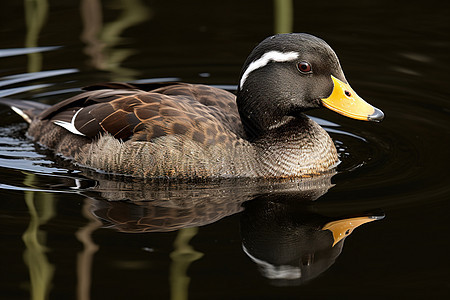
70, 126
267, 57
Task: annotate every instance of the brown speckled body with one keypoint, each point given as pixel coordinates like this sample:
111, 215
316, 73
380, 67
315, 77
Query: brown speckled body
176, 156
182, 139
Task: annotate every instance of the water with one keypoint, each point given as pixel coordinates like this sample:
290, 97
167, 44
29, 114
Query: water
66, 234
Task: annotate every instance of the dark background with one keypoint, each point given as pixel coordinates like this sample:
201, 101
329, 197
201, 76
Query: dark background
395, 55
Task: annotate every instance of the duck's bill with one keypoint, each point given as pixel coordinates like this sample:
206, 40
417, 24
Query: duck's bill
345, 101
343, 228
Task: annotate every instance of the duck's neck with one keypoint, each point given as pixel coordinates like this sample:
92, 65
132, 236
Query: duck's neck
260, 112
297, 147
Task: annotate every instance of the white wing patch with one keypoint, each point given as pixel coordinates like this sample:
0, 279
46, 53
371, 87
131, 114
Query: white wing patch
267, 57
70, 126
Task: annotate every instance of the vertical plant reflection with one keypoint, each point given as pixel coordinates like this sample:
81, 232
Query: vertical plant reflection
85, 258
42, 208
284, 16
182, 257
91, 14
102, 39
35, 16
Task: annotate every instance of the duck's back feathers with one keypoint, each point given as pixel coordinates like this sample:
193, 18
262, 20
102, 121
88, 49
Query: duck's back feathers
127, 112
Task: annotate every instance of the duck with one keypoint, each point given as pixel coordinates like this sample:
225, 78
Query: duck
183, 130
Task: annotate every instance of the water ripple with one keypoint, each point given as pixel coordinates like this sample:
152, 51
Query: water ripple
19, 78
22, 51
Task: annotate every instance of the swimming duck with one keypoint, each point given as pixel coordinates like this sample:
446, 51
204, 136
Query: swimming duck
186, 130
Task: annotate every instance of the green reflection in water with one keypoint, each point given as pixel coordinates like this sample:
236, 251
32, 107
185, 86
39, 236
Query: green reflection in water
42, 207
102, 40
35, 16
86, 257
182, 257
284, 16
91, 16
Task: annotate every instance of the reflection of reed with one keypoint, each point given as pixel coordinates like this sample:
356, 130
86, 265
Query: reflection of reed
182, 257
91, 14
85, 258
102, 40
284, 16
42, 208
35, 16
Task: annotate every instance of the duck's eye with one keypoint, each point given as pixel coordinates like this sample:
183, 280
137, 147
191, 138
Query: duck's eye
304, 67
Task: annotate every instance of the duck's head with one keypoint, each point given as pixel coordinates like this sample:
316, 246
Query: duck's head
288, 74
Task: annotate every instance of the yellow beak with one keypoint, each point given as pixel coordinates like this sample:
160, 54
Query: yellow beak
345, 101
343, 228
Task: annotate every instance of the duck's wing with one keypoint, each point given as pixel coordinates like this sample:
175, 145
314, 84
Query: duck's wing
137, 112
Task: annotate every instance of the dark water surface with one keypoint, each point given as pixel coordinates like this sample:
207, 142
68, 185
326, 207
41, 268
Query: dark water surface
67, 233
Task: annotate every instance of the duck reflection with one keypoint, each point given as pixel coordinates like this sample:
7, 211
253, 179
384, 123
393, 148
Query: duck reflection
290, 241
284, 232
140, 206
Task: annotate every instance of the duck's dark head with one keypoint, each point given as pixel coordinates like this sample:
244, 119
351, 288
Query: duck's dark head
288, 74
